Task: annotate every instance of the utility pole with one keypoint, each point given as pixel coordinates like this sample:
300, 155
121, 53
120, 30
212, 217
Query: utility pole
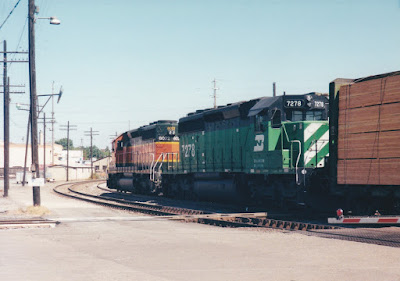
44, 146
215, 92
27, 142
32, 9
51, 96
33, 101
67, 128
44, 143
112, 137
26, 148
52, 124
44, 127
6, 104
6, 124
91, 133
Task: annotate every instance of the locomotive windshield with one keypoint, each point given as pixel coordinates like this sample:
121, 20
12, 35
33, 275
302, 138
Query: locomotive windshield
314, 115
309, 115
295, 108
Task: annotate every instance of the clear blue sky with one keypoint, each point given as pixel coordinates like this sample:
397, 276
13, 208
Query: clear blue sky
128, 62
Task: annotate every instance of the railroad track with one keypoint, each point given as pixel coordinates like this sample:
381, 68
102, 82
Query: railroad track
382, 236
26, 223
135, 206
386, 236
189, 215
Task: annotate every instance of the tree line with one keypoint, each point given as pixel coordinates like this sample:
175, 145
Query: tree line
97, 152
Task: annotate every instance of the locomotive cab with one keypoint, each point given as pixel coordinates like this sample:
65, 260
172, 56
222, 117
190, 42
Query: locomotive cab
290, 138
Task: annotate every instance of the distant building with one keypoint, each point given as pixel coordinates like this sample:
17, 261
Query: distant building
56, 163
75, 157
102, 164
59, 173
17, 154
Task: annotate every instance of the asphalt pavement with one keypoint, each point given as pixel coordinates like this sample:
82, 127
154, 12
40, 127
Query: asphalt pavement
97, 243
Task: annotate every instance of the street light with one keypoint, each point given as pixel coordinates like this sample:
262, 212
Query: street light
19, 106
51, 96
33, 98
53, 20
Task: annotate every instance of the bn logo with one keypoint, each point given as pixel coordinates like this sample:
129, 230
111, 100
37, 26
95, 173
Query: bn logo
259, 143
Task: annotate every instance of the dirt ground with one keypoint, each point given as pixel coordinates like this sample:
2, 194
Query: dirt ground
95, 243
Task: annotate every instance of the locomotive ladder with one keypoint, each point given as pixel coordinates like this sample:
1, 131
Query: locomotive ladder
153, 167
156, 166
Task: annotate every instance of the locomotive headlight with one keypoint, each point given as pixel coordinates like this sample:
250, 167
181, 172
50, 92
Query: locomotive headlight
308, 97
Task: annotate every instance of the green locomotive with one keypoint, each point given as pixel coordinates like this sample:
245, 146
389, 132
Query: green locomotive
276, 148
266, 148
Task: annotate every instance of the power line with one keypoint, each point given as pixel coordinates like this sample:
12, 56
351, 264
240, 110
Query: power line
10, 14
20, 38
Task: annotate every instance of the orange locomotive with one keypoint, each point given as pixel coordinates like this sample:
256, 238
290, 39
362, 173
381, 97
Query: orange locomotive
139, 154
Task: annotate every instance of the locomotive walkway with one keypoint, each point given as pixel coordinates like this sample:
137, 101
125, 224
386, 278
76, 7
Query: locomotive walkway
97, 243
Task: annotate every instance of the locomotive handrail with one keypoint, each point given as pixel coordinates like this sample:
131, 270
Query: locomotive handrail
168, 159
298, 159
151, 165
162, 162
153, 169
286, 134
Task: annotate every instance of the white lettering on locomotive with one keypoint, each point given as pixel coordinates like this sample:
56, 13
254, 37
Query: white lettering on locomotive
259, 143
319, 104
188, 150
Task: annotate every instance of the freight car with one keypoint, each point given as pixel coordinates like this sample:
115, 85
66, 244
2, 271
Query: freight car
252, 151
364, 141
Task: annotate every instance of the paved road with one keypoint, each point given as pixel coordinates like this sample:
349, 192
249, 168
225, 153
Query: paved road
95, 243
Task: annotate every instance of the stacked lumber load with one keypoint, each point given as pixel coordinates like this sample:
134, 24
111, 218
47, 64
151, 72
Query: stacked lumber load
369, 131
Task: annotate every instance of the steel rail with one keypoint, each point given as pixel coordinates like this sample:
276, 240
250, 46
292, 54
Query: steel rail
26, 223
103, 202
241, 219
251, 220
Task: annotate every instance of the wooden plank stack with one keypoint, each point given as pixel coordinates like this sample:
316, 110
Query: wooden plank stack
369, 132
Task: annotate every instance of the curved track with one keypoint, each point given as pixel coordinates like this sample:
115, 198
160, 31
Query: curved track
381, 236
26, 223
